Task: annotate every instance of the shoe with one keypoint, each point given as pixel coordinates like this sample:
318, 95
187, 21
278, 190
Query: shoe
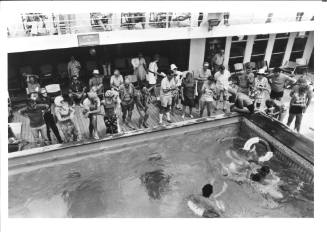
145, 125
169, 121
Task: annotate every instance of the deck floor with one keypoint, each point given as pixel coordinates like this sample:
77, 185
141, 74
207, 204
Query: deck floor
83, 123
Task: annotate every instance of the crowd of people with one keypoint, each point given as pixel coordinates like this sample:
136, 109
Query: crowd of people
114, 97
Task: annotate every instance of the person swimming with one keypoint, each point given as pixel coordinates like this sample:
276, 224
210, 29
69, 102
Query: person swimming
206, 205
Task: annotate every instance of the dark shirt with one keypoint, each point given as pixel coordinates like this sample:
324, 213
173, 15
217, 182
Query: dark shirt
35, 115
106, 83
188, 89
141, 101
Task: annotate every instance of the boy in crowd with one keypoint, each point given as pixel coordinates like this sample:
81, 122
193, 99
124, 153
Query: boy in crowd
275, 109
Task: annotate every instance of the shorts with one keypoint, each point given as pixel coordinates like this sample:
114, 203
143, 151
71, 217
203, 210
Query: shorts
166, 100
127, 106
275, 95
222, 92
188, 102
296, 110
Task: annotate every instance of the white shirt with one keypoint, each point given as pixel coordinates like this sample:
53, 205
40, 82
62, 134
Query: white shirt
74, 67
222, 79
152, 78
167, 84
179, 78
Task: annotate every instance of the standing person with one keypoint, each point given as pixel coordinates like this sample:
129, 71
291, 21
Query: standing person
97, 82
178, 76
106, 83
204, 74
32, 85
217, 61
116, 80
110, 103
91, 106
153, 75
48, 116
277, 82
246, 81
140, 70
34, 112
65, 116
142, 106
301, 96
127, 95
168, 85
76, 91
222, 83
209, 90
260, 85
188, 93
74, 67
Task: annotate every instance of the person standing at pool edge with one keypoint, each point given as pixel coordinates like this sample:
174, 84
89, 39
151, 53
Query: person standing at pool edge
127, 95
168, 85
204, 74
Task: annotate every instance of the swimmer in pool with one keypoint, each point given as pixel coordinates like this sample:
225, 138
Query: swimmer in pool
206, 205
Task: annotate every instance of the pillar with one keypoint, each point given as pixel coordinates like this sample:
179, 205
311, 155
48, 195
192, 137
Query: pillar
270, 47
289, 47
308, 47
248, 48
228, 46
197, 50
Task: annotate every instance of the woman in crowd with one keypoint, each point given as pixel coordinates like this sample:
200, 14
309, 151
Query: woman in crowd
188, 93
168, 85
34, 112
204, 74
209, 90
32, 85
142, 106
111, 104
65, 117
260, 85
91, 106
127, 95
140, 71
116, 80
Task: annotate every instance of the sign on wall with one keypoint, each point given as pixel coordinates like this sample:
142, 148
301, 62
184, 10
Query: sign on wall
88, 40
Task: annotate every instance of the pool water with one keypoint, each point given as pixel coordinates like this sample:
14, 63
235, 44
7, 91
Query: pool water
152, 185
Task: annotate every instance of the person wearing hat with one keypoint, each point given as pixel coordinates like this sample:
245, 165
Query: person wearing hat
168, 86
222, 83
91, 105
209, 90
217, 60
260, 86
110, 104
278, 82
76, 91
65, 117
34, 112
188, 93
73, 67
204, 73
178, 76
116, 80
142, 100
48, 116
301, 96
97, 81
127, 95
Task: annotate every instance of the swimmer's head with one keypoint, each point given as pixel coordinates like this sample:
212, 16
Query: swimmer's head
265, 170
207, 190
255, 177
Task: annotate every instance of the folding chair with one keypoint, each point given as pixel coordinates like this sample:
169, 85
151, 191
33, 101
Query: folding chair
53, 91
301, 64
238, 67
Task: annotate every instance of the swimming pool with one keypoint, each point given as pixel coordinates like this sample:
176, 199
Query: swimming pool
152, 174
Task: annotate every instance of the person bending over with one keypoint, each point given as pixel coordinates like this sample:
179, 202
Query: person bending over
243, 104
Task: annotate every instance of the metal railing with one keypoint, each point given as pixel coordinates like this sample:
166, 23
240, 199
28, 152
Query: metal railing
38, 24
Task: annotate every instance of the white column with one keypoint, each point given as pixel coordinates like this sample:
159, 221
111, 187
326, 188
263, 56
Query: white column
308, 47
289, 47
248, 48
270, 46
116, 21
197, 50
228, 45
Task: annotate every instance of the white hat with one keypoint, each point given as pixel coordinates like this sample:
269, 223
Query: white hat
173, 66
58, 100
95, 71
261, 71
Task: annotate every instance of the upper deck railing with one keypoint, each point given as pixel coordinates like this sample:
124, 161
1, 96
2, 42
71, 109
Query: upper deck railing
40, 24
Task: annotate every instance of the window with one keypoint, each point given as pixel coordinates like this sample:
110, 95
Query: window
276, 60
298, 47
279, 50
280, 45
237, 49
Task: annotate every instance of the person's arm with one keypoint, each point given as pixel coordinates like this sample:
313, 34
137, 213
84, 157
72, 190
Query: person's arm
72, 112
309, 97
240, 108
182, 92
58, 115
224, 188
97, 110
22, 111
69, 71
90, 83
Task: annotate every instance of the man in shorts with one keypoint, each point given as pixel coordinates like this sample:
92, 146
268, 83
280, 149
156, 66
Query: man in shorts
222, 83
277, 82
127, 94
168, 86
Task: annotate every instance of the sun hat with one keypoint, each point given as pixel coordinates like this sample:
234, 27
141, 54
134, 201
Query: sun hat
173, 66
261, 71
58, 100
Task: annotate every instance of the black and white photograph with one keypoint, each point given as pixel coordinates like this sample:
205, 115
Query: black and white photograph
159, 112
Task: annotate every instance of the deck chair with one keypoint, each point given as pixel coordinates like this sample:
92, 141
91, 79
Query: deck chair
301, 64
238, 67
289, 67
53, 91
46, 74
262, 64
